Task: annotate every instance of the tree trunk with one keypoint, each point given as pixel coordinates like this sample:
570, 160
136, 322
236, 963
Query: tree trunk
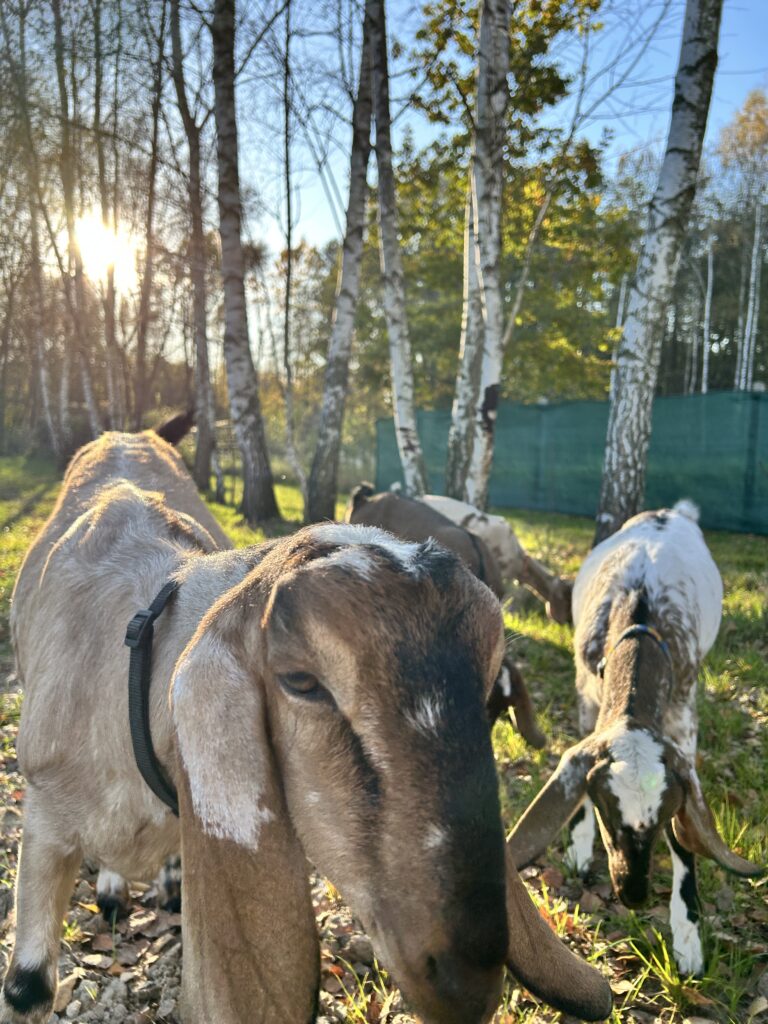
204, 411
461, 434
740, 319
409, 446
141, 385
242, 378
629, 424
5, 347
109, 219
17, 62
324, 473
753, 302
705, 341
492, 96
290, 435
76, 302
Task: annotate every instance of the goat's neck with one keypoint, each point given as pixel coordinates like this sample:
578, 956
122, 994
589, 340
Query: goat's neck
636, 685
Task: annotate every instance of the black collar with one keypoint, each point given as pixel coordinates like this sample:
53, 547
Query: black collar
638, 629
138, 637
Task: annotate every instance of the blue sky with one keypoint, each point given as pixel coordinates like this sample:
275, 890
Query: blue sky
637, 117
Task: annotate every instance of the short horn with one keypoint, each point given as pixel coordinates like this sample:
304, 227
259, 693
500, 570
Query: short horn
554, 805
541, 962
695, 829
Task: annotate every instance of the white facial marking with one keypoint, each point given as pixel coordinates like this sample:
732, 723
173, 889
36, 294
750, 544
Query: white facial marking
346, 533
579, 852
686, 941
434, 837
312, 797
426, 716
636, 777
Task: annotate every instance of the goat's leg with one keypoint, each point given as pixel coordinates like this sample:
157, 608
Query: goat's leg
684, 909
554, 591
112, 896
582, 838
47, 871
168, 885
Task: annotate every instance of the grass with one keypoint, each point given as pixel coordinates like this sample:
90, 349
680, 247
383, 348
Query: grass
634, 949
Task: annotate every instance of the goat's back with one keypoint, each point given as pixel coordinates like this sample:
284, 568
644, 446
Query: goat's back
663, 553
495, 532
415, 521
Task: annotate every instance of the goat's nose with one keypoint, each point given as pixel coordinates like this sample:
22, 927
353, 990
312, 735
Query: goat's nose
466, 993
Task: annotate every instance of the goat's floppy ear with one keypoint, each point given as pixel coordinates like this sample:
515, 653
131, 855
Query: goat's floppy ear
246, 901
553, 806
695, 830
546, 967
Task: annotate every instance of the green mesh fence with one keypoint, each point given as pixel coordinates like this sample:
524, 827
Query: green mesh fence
711, 448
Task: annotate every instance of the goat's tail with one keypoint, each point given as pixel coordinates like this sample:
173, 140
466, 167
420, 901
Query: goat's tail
687, 508
361, 494
176, 428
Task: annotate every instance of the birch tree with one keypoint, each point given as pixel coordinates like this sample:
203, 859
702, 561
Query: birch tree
259, 501
492, 97
629, 423
706, 332
205, 448
401, 360
324, 472
16, 57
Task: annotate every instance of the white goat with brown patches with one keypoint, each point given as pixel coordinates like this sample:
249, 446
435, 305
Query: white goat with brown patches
647, 605
317, 697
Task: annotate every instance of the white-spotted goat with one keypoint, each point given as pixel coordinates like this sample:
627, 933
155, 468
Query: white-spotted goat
647, 605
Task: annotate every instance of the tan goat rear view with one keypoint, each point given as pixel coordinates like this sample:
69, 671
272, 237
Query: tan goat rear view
326, 702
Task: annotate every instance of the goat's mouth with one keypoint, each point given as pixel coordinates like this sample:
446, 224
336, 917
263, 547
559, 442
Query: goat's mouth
439, 980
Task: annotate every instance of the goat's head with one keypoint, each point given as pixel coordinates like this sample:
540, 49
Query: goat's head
338, 696
639, 782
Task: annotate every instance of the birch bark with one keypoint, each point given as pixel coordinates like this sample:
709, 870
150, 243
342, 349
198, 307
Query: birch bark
204, 410
409, 446
492, 97
242, 378
706, 331
324, 472
461, 434
629, 423
753, 302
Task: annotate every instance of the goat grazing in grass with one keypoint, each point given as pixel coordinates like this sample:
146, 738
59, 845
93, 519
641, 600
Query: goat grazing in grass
414, 521
319, 697
647, 605
513, 560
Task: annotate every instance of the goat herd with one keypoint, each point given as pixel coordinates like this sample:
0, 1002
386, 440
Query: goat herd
325, 698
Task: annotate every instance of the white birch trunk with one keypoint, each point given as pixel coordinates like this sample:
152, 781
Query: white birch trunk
492, 96
259, 501
409, 446
629, 424
323, 476
739, 335
204, 408
461, 434
705, 340
753, 302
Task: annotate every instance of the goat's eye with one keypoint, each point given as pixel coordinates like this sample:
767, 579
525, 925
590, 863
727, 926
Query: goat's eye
302, 684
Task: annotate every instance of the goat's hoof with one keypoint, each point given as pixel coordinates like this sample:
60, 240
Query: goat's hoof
169, 886
26, 997
112, 906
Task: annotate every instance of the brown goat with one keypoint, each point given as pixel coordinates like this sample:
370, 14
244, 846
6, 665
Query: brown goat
415, 521
322, 697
